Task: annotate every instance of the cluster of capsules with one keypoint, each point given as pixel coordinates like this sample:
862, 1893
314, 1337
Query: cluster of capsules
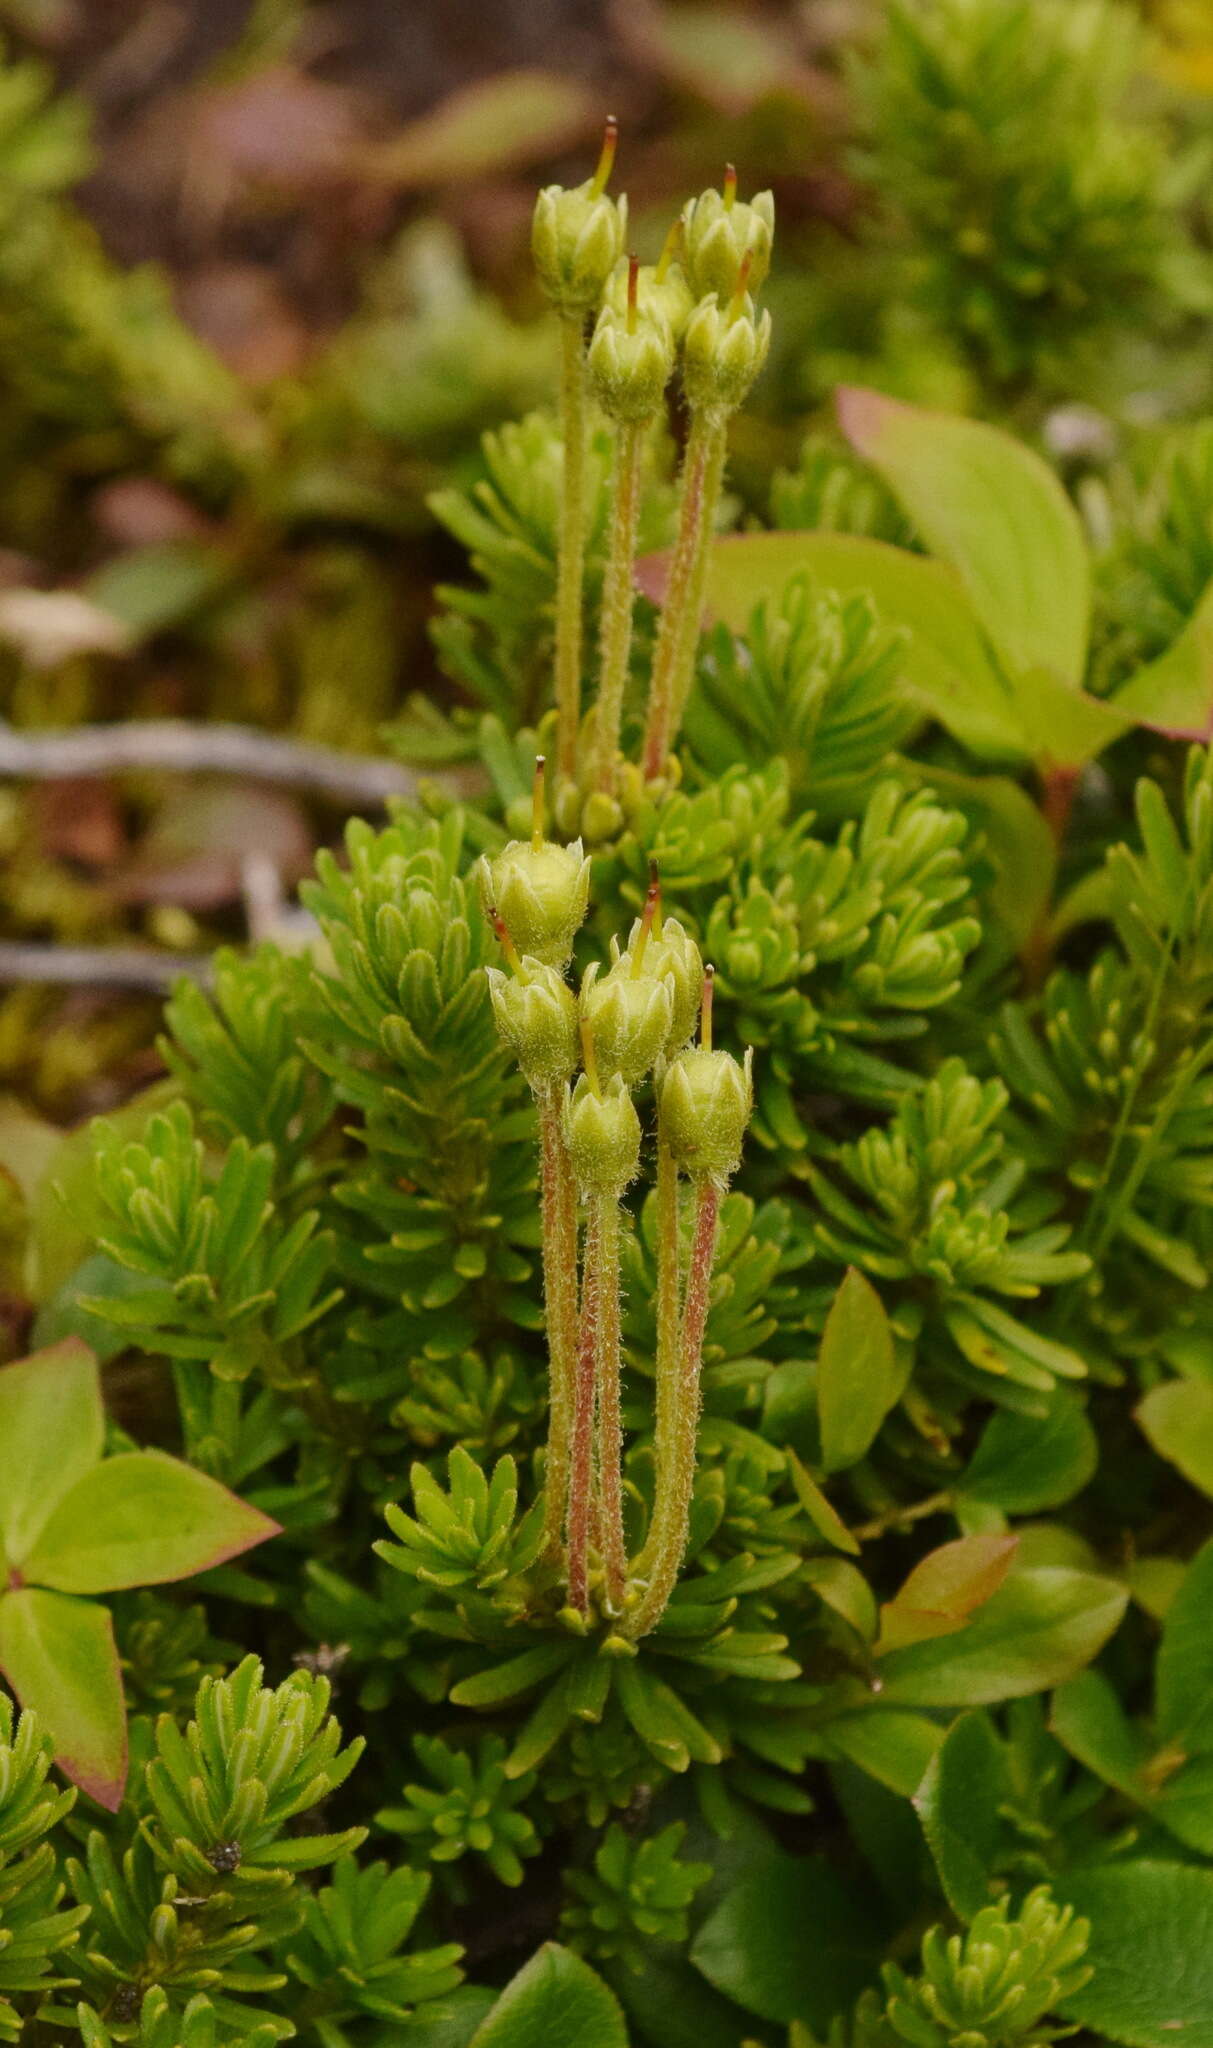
585, 1054
692, 312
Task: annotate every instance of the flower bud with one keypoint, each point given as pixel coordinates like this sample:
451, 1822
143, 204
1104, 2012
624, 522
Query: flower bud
630, 365
663, 297
673, 959
603, 1134
719, 232
706, 1098
577, 237
541, 893
628, 1017
722, 352
537, 1017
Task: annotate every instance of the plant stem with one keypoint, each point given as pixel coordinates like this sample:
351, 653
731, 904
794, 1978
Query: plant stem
902, 1517
617, 602
669, 1295
570, 566
678, 634
676, 1479
609, 1461
1060, 789
559, 1213
581, 1471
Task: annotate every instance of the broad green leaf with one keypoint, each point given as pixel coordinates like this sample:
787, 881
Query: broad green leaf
958, 1803
1066, 728
1183, 1674
891, 1745
1040, 1628
1178, 1419
670, 2003
557, 1998
51, 1430
1026, 1463
996, 513
1175, 693
845, 1591
945, 1588
58, 1655
1151, 1948
858, 1379
792, 1942
945, 661
1154, 1582
1089, 1719
139, 1520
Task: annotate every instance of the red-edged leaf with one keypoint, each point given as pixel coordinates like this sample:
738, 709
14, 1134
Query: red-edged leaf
51, 1430
942, 1591
59, 1657
139, 1520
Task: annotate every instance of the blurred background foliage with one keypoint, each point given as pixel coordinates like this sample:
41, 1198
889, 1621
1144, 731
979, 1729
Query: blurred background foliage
264, 283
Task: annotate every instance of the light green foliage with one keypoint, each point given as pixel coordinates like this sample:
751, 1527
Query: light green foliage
638, 1893
938, 1193
230, 1283
469, 1807
35, 1933
347, 1956
999, 146
995, 1984
405, 1031
207, 1882
160, 2026
465, 1535
816, 681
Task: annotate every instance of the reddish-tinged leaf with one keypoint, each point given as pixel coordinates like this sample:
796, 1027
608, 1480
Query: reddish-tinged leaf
59, 1657
139, 1520
945, 1588
1041, 1626
51, 1431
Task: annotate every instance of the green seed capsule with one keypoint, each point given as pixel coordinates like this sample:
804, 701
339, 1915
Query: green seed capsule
541, 893
719, 232
537, 1017
723, 351
577, 238
628, 1018
672, 958
630, 365
705, 1104
603, 1134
